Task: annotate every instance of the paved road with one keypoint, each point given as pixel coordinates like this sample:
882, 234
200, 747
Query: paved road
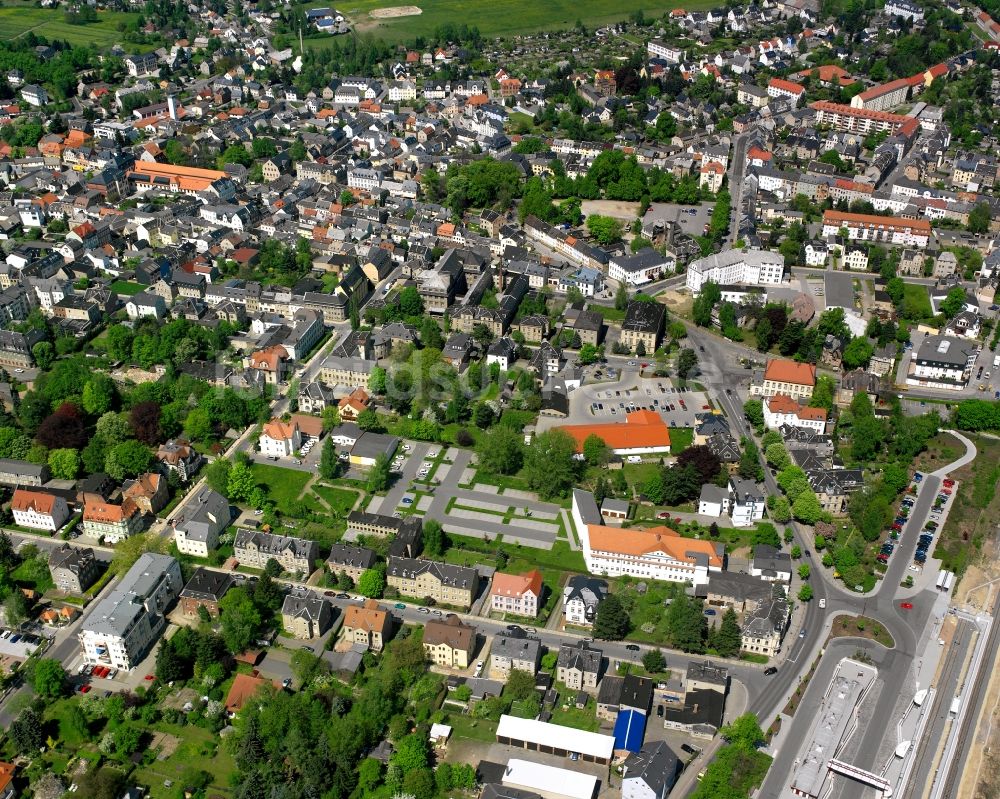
737, 171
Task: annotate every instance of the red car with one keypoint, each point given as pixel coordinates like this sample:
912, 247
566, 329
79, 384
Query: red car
949, 483
644, 365
85, 689
946, 491
906, 605
150, 677
706, 407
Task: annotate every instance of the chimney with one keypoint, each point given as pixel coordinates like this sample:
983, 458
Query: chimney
172, 107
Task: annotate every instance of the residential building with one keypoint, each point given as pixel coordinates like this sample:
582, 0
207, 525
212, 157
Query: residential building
943, 362
781, 409
781, 376
367, 624
651, 772
642, 326
148, 491
254, 549
619, 694
205, 589
351, 560
280, 439
39, 510
196, 531
21, 473
73, 569
123, 626
643, 267
514, 651
770, 564
7, 779
747, 500
644, 432
581, 596
862, 120
786, 90
885, 229
305, 615
455, 586
110, 522
753, 267
520, 594
883, 96
764, 627
657, 554
579, 666
449, 642
177, 455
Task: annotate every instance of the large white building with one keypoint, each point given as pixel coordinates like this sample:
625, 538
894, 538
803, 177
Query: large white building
869, 227
197, 531
38, 510
943, 362
656, 554
644, 267
280, 439
122, 628
755, 267
781, 410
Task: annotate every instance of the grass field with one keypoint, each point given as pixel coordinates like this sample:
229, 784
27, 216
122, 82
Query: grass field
916, 302
499, 19
283, 485
16, 19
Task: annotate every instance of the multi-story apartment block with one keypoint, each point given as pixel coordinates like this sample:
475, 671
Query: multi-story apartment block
753, 267
887, 229
780, 410
510, 652
579, 666
352, 560
122, 628
73, 569
113, 523
205, 589
197, 531
642, 326
943, 362
305, 614
781, 376
368, 624
255, 549
442, 582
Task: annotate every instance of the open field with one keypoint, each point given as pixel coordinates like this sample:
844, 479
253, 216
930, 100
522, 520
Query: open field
16, 19
500, 19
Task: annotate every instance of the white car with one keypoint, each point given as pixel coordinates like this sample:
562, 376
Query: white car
822, 603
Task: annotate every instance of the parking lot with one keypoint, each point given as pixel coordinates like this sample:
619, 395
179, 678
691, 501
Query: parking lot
677, 406
929, 529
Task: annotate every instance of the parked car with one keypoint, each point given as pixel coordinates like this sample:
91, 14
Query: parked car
770, 670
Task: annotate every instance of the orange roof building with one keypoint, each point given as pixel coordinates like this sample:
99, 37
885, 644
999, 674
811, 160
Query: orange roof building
520, 594
39, 510
658, 553
871, 227
244, 687
642, 432
168, 177
794, 380
113, 523
828, 74
781, 410
6, 777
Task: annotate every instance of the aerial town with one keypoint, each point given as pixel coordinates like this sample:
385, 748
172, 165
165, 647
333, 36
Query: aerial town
499, 400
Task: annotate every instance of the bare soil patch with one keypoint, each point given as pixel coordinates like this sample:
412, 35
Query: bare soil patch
395, 11
613, 208
861, 627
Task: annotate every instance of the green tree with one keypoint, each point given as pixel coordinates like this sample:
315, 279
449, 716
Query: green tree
411, 753
435, 540
128, 459
379, 474
48, 678
654, 662
98, 394
198, 424
685, 623
753, 409
64, 463
611, 622
44, 354
371, 583
376, 380
728, 639
549, 465
595, 451
979, 218
368, 421
804, 571
605, 229
857, 353
329, 463
777, 456
26, 732
500, 450
951, 305
240, 619
744, 732
621, 297
822, 396
805, 593
240, 484
687, 362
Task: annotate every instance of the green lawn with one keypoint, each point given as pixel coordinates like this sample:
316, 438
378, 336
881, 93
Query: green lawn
680, 439
498, 19
16, 19
198, 749
126, 288
340, 499
34, 573
58, 714
463, 726
466, 551
283, 485
916, 302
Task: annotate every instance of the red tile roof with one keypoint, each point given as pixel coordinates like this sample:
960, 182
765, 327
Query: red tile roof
780, 370
640, 430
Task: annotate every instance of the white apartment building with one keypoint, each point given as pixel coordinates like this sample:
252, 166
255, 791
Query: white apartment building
280, 439
38, 510
756, 267
122, 628
781, 410
943, 362
659, 49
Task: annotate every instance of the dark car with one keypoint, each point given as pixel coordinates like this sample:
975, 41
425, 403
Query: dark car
770, 670
691, 750
632, 647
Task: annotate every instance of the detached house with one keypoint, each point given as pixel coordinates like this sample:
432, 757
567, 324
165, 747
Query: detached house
449, 642
579, 666
369, 625
581, 596
38, 510
519, 594
73, 569
305, 614
179, 456
113, 523
197, 531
